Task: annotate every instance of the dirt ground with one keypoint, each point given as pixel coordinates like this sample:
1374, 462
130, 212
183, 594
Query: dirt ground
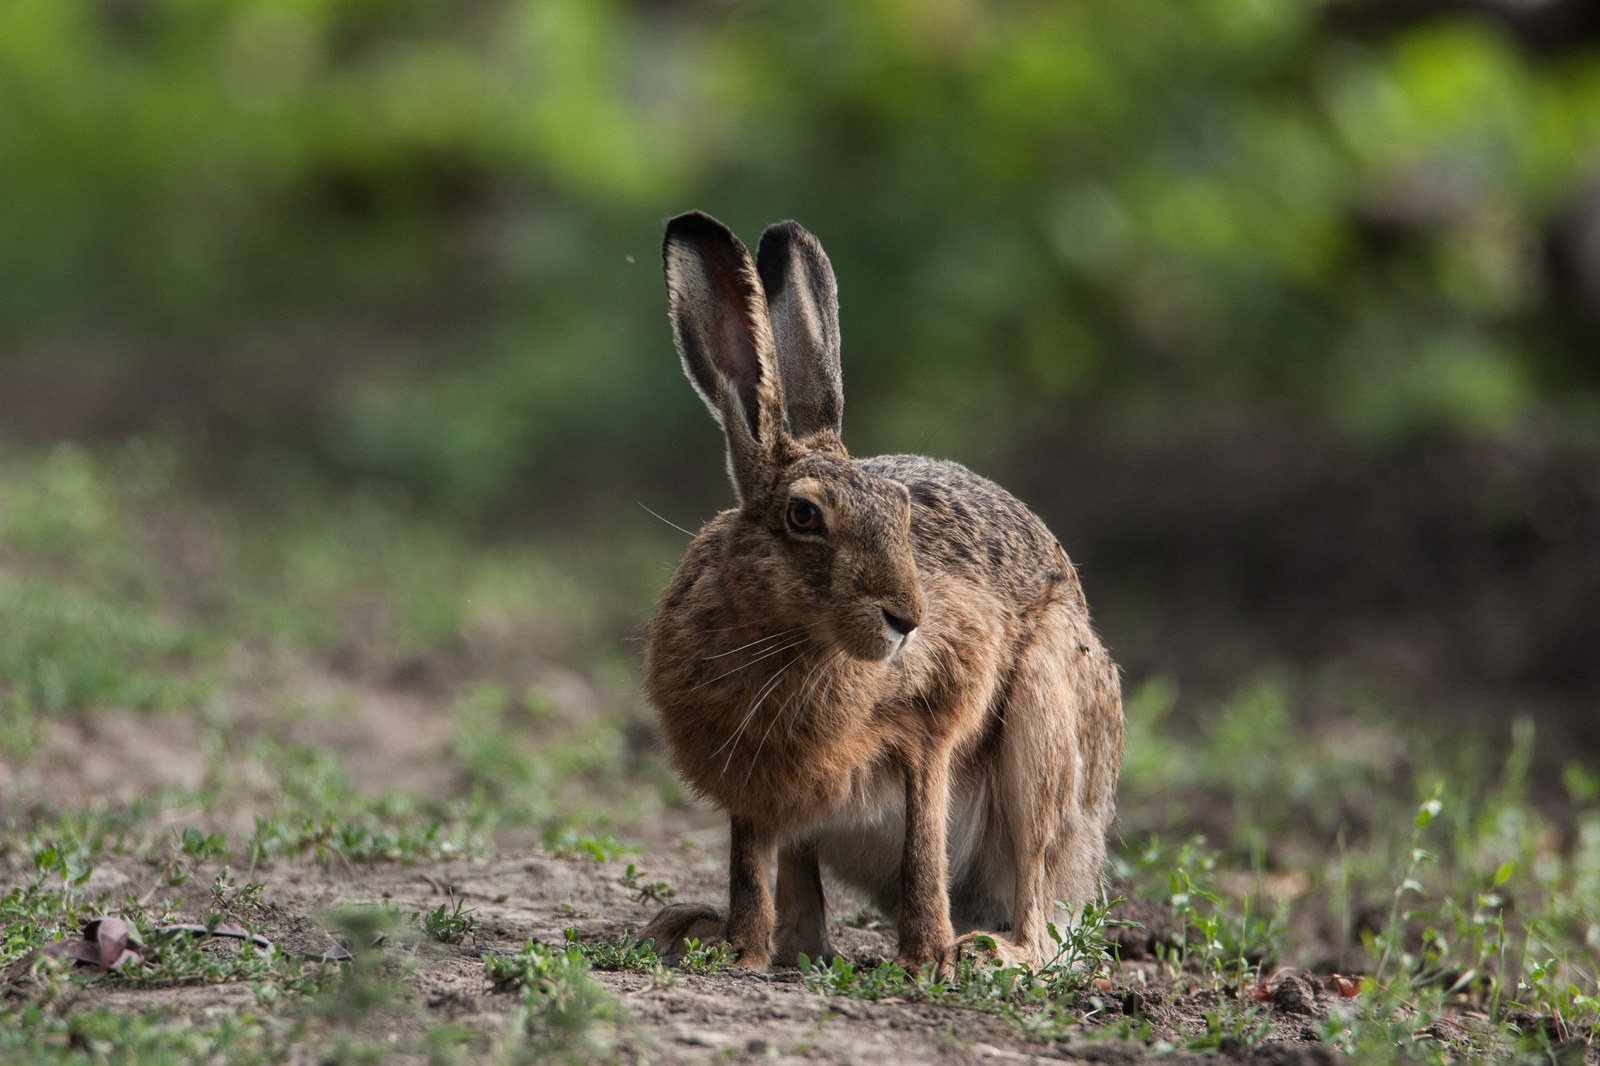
730, 1016
733, 1015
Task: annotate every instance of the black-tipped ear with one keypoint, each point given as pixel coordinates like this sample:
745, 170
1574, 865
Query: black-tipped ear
803, 303
724, 337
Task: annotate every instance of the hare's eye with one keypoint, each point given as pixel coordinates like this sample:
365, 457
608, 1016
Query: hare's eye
804, 516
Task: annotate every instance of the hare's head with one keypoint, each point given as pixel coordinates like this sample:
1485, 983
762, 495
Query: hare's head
818, 542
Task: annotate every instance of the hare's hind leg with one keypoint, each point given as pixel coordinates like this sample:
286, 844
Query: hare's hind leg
680, 922
1055, 778
802, 909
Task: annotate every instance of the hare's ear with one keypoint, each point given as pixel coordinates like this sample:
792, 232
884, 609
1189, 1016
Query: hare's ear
803, 300
720, 324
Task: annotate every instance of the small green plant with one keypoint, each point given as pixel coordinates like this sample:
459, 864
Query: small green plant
566, 843
181, 958
564, 1013
448, 923
533, 963
370, 980
1232, 1026
1082, 949
641, 891
706, 959
1391, 939
624, 953
201, 846
228, 897
842, 978
1229, 940
70, 864
865, 918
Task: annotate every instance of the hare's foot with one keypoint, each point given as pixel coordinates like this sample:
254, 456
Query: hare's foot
680, 922
933, 955
987, 947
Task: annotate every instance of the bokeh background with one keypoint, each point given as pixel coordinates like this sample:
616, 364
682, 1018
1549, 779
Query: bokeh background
1284, 314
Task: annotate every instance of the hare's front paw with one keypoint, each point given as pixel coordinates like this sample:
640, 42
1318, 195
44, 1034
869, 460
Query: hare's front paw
917, 953
680, 922
988, 947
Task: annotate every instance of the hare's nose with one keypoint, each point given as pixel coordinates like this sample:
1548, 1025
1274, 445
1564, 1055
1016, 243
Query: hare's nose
903, 626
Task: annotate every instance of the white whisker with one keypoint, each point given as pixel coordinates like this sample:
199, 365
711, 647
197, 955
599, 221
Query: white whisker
796, 702
758, 640
668, 521
766, 691
805, 688
765, 655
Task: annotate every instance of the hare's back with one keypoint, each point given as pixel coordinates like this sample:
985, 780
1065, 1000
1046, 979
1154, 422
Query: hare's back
967, 525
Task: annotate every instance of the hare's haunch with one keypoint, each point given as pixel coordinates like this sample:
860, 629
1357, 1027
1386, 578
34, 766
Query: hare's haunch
884, 666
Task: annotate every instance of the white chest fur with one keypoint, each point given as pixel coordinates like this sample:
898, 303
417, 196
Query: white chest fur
861, 840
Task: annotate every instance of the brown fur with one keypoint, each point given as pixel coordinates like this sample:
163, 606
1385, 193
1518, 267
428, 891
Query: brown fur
964, 772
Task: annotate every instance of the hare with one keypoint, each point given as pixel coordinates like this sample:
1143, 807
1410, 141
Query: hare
882, 666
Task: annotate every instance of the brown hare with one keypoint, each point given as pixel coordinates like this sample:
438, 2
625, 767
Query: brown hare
882, 666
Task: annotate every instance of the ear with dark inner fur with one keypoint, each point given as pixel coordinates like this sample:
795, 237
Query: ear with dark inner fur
724, 337
803, 302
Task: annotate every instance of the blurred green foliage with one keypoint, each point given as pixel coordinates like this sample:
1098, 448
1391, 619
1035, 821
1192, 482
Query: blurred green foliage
83, 624
118, 590
1183, 210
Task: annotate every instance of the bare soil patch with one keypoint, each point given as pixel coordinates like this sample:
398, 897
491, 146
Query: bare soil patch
734, 1015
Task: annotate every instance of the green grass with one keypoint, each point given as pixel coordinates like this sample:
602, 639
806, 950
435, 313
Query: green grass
319, 813
565, 1014
1449, 891
35, 1034
54, 903
1040, 1001
81, 606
